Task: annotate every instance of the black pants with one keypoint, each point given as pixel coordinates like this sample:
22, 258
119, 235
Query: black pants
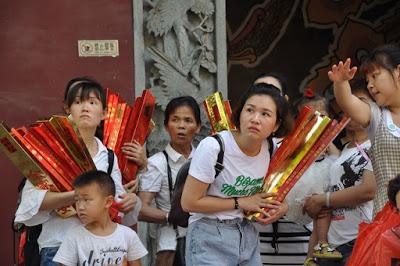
180, 252
31, 249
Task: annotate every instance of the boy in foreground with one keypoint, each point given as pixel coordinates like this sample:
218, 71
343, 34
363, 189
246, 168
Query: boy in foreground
98, 240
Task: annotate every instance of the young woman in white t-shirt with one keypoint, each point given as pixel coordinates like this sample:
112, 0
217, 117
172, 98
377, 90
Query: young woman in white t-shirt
218, 232
85, 101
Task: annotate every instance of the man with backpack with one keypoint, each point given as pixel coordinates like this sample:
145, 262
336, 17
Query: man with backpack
182, 122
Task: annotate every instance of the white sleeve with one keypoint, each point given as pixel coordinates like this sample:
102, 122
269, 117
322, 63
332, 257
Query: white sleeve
67, 254
295, 214
151, 180
28, 210
117, 177
131, 217
136, 250
204, 160
303, 188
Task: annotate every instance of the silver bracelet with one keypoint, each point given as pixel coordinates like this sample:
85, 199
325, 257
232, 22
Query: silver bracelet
166, 217
328, 199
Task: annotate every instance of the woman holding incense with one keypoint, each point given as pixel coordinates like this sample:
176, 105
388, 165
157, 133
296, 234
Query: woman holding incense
85, 102
218, 232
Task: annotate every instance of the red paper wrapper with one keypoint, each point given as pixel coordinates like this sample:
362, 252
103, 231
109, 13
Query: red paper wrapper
292, 146
125, 124
32, 153
50, 153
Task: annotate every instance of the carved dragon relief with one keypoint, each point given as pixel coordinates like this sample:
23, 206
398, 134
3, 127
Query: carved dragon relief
179, 36
356, 27
260, 32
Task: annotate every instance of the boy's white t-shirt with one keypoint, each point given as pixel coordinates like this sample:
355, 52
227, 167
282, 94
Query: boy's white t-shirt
315, 180
81, 247
242, 175
347, 171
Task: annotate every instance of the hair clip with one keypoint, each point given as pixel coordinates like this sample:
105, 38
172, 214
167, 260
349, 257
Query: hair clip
309, 93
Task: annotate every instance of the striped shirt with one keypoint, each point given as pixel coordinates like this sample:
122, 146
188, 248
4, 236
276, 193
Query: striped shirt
289, 246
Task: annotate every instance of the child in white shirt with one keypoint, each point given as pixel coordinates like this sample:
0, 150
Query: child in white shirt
98, 239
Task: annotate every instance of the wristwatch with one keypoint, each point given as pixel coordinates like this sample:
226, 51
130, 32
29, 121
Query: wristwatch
236, 203
166, 217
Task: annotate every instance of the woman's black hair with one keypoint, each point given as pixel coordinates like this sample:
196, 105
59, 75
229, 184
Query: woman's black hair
282, 107
393, 189
276, 75
188, 101
386, 56
359, 85
86, 86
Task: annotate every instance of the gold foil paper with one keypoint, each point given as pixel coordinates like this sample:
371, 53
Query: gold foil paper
68, 135
217, 113
277, 179
29, 168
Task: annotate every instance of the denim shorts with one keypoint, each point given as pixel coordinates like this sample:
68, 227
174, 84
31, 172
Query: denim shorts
47, 255
227, 242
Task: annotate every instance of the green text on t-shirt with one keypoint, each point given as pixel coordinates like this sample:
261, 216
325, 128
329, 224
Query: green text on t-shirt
243, 186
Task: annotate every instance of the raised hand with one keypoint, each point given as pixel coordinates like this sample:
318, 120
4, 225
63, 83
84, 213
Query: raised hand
342, 71
135, 152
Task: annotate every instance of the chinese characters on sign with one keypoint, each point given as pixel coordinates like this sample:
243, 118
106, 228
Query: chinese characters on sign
98, 48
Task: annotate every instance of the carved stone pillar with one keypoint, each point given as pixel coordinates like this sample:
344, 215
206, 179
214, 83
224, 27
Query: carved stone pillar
180, 49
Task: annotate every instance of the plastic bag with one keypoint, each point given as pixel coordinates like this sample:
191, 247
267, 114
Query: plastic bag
378, 243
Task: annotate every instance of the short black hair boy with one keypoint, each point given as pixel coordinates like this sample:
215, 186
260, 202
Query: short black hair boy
105, 182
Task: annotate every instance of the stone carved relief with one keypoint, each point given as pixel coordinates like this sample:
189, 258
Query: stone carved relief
179, 42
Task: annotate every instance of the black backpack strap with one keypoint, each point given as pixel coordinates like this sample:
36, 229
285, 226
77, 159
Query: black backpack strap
110, 161
219, 166
275, 225
170, 186
275, 236
270, 146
